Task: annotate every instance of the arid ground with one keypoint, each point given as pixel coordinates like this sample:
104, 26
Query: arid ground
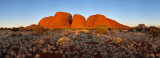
78, 44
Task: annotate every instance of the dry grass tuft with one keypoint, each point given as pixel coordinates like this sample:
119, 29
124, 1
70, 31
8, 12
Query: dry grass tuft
101, 29
48, 37
117, 40
114, 40
39, 29
41, 42
64, 39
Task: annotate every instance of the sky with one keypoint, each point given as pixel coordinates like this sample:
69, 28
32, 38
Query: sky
15, 13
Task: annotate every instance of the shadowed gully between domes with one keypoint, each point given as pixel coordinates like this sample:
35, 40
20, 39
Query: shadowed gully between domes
64, 20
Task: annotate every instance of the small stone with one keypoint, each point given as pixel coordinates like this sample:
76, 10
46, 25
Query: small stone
151, 55
29, 54
56, 52
7, 56
37, 56
157, 55
63, 56
50, 51
41, 42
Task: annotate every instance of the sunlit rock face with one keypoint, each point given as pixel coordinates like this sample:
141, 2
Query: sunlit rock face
65, 20
60, 20
116, 24
99, 19
47, 22
79, 21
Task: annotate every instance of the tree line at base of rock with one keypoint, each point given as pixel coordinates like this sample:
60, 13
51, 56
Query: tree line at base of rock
100, 29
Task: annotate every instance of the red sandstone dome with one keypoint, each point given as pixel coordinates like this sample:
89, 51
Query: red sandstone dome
46, 22
78, 21
60, 20
64, 20
99, 19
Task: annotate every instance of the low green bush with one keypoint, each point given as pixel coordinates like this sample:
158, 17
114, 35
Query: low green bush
154, 31
101, 29
39, 29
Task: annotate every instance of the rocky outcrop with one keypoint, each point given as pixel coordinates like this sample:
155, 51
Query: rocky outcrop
78, 21
64, 20
99, 19
60, 20
46, 22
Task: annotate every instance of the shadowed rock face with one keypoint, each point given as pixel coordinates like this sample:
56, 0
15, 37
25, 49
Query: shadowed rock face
60, 20
78, 21
99, 19
64, 20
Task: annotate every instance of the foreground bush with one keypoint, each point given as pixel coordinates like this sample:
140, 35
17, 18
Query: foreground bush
28, 28
64, 39
114, 40
101, 29
154, 31
41, 42
39, 29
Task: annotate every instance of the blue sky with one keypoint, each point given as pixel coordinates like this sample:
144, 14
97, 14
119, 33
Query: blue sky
14, 13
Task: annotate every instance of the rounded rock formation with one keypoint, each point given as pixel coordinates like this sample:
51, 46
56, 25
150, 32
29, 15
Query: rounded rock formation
60, 20
64, 20
79, 21
46, 22
99, 19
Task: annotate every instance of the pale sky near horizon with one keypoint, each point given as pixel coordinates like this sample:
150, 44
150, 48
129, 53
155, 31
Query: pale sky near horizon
14, 13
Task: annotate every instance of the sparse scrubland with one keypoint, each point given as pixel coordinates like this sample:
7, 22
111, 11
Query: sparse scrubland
98, 42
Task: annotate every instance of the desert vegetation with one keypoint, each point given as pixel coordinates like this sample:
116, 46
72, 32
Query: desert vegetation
98, 42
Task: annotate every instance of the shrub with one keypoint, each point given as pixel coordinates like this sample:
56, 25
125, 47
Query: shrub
101, 29
1, 28
48, 37
114, 40
5, 28
15, 29
140, 27
154, 31
64, 39
117, 40
120, 29
28, 28
39, 29
37, 56
53, 29
41, 42
131, 29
